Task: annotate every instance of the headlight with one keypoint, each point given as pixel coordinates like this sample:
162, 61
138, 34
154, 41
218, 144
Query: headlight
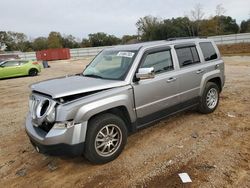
63, 125
51, 116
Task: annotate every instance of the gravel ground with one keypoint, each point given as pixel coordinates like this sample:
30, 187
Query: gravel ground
213, 149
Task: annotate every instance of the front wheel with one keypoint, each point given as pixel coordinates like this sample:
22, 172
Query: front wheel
209, 99
106, 138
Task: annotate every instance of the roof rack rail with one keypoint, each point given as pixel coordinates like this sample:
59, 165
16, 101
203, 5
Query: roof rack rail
180, 38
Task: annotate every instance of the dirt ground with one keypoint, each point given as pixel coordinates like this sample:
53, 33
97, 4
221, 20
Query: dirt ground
213, 149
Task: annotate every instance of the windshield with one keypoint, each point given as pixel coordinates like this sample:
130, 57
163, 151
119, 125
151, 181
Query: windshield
110, 64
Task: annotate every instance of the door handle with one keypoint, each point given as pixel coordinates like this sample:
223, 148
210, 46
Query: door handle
199, 71
217, 66
172, 79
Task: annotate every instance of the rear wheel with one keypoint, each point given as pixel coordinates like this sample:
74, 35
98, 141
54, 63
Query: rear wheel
210, 98
106, 138
33, 72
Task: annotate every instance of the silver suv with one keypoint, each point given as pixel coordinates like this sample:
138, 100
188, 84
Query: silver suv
123, 89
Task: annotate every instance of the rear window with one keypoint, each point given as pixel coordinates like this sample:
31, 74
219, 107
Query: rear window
208, 51
187, 56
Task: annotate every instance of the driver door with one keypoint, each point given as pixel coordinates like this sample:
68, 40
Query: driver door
9, 68
154, 96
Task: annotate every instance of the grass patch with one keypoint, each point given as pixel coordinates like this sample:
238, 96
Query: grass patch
241, 49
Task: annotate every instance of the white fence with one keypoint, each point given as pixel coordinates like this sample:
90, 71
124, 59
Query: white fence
23, 55
85, 52
231, 39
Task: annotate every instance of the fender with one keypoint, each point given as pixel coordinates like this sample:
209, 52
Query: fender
208, 76
87, 111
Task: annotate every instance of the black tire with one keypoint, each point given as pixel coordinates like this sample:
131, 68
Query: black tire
33, 72
99, 124
204, 105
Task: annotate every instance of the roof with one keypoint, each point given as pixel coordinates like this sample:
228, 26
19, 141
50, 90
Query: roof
137, 46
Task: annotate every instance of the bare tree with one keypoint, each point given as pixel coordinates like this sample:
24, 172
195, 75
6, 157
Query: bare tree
196, 15
220, 10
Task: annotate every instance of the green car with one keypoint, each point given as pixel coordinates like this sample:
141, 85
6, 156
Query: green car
13, 68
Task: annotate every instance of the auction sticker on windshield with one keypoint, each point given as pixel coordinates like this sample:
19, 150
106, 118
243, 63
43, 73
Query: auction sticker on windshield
126, 54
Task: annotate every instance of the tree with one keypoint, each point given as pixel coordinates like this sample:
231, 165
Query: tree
69, 41
129, 39
196, 15
55, 40
13, 41
148, 28
209, 27
102, 39
229, 25
4, 40
220, 10
178, 27
245, 26
40, 43
85, 43
151, 28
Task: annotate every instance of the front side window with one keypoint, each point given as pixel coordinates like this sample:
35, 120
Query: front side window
161, 61
208, 51
110, 64
10, 64
187, 56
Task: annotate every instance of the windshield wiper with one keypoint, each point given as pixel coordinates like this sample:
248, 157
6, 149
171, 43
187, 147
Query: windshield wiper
92, 75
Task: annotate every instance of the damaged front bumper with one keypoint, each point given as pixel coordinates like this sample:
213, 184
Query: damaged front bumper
61, 141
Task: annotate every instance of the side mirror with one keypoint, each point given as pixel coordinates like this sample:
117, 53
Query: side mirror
145, 73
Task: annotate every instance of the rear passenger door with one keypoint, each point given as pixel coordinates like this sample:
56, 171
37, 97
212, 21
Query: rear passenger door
191, 71
212, 60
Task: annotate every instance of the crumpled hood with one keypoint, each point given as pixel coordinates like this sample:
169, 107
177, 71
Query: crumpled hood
66, 86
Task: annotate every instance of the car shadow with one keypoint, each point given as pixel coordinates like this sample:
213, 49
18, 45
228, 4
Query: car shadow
12, 78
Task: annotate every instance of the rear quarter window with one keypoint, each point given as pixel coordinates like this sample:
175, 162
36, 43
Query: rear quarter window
208, 51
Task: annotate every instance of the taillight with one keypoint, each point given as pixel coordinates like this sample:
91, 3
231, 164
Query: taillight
35, 63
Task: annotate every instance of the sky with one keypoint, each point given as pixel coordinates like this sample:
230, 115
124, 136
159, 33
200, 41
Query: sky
117, 17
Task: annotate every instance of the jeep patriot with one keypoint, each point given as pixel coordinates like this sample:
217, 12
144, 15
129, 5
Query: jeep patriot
123, 89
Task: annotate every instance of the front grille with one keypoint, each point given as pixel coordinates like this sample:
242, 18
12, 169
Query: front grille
45, 106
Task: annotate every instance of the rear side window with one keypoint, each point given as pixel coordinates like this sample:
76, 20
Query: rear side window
208, 51
187, 56
161, 61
